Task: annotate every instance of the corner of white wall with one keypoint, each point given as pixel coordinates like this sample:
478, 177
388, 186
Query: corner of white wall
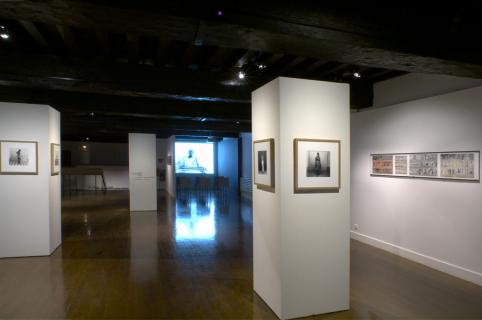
55, 185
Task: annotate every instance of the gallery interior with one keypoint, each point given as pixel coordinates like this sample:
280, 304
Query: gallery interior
218, 160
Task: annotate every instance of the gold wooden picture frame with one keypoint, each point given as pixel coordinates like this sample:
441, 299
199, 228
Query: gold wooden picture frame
263, 164
53, 166
18, 157
317, 165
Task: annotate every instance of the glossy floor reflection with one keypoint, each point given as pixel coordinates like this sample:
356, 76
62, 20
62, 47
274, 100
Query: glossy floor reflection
193, 259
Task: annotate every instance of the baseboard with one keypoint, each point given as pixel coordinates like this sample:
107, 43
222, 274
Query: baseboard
452, 269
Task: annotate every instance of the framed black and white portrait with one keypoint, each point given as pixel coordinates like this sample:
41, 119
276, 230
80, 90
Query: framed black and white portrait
263, 164
55, 159
19, 157
316, 165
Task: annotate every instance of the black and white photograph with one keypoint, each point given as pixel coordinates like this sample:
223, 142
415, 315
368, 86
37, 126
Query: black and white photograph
18, 157
316, 165
263, 164
55, 158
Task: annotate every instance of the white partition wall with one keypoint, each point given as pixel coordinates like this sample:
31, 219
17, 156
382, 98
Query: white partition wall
434, 222
30, 204
301, 241
142, 172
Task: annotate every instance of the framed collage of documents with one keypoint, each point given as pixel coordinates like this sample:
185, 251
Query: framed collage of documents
453, 165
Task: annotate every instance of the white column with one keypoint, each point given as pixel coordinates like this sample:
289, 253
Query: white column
142, 172
301, 241
30, 210
171, 167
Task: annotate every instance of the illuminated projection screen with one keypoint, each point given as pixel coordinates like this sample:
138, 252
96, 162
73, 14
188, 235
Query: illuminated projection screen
194, 157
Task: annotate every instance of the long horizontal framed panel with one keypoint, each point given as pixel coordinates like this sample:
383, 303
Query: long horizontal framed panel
451, 165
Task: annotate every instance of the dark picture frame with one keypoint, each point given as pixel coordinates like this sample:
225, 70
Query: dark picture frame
263, 164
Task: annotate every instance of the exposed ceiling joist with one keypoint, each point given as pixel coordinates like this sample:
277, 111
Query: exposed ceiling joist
303, 31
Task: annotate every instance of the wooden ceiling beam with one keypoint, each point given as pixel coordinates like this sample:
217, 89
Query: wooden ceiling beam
68, 38
103, 42
290, 29
331, 71
97, 123
81, 75
36, 35
132, 48
82, 104
289, 66
310, 68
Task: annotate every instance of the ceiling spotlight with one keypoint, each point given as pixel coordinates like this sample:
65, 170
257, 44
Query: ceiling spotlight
4, 34
241, 75
87, 138
92, 114
220, 13
203, 119
357, 74
84, 147
237, 122
261, 66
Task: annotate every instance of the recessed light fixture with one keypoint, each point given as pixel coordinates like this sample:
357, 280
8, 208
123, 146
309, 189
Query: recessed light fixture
92, 114
220, 13
241, 75
84, 147
87, 138
357, 74
203, 119
261, 66
4, 34
237, 122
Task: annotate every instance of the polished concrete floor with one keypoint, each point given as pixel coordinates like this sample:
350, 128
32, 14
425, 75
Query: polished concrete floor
193, 259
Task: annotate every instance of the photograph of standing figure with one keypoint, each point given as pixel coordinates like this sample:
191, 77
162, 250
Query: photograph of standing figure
262, 166
318, 164
18, 157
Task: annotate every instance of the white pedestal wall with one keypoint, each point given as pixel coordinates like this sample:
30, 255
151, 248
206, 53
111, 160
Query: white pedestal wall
142, 172
301, 241
30, 214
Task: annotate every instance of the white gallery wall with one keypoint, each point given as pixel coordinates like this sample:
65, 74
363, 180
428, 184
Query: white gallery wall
142, 172
301, 241
227, 161
435, 222
30, 204
246, 182
413, 86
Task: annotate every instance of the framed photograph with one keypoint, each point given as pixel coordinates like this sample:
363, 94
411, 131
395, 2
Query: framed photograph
55, 159
263, 166
316, 165
19, 157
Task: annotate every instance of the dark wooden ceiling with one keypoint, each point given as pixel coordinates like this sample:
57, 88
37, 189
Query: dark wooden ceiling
113, 67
